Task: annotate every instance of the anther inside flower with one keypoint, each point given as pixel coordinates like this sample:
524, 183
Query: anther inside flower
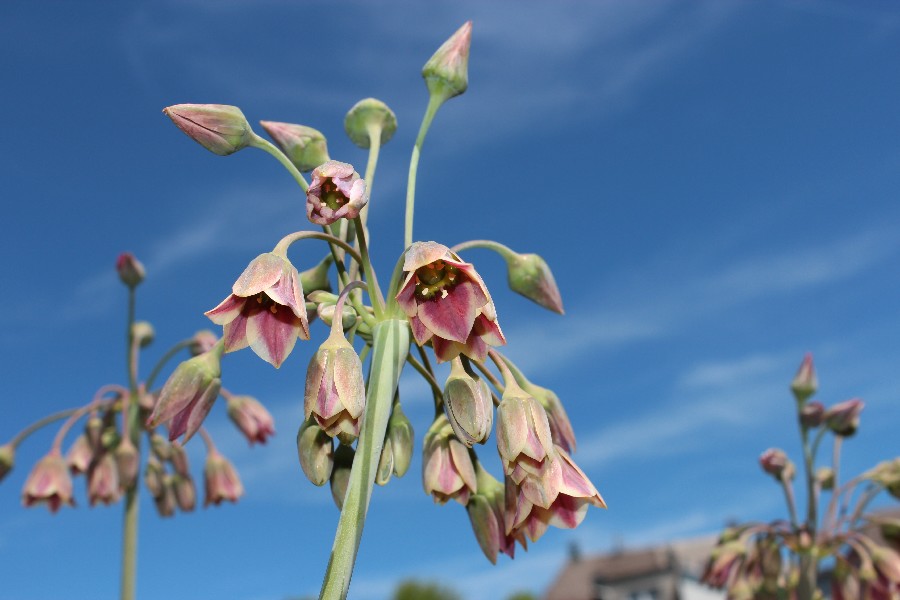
336, 192
447, 302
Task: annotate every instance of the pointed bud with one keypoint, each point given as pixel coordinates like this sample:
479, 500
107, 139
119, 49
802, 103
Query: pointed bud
385, 464
825, 478
843, 418
178, 458
340, 475
219, 128
304, 146
202, 342
447, 72
251, 417
160, 447
103, 481
48, 483
222, 481
316, 278
189, 394
130, 269
335, 390
143, 333
367, 118
530, 276
805, 382
80, 455
127, 463
776, 463
93, 429
166, 501
185, 492
153, 477
469, 405
400, 432
7, 459
315, 449
812, 414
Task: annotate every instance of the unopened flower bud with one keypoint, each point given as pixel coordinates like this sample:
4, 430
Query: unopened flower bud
367, 118
304, 146
316, 278
189, 394
49, 483
130, 269
202, 342
805, 382
825, 478
340, 475
219, 128
179, 459
103, 481
143, 333
160, 447
109, 438
812, 414
843, 418
251, 417
469, 405
127, 463
315, 449
185, 492
385, 464
349, 317
400, 432
486, 513
222, 481
7, 459
93, 429
336, 192
153, 477
80, 455
530, 276
335, 390
776, 463
448, 472
447, 72
166, 501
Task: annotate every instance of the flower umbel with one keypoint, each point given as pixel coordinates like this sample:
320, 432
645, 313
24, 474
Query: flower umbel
266, 310
336, 192
447, 303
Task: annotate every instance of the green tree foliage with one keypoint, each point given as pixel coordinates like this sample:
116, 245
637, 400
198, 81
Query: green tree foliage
417, 590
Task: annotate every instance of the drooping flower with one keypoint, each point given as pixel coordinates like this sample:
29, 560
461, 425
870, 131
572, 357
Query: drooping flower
335, 394
447, 302
188, 395
49, 483
266, 310
447, 469
222, 481
80, 455
251, 417
486, 513
336, 192
103, 480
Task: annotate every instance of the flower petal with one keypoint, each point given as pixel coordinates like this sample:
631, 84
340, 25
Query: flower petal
273, 335
234, 334
289, 292
452, 316
420, 254
227, 310
406, 298
262, 272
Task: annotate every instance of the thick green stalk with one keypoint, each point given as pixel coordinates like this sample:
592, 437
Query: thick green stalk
130, 417
129, 545
390, 343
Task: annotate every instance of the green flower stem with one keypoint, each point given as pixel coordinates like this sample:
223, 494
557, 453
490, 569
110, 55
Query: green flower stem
129, 545
789, 499
57, 416
284, 243
371, 280
374, 130
835, 466
390, 347
506, 253
393, 308
169, 355
806, 586
130, 417
269, 147
434, 103
435, 388
129, 342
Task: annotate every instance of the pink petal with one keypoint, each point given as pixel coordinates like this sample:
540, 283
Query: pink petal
262, 273
328, 404
463, 464
272, 336
289, 292
452, 316
489, 331
348, 381
445, 350
199, 410
420, 332
227, 310
420, 254
567, 512
234, 334
406, 298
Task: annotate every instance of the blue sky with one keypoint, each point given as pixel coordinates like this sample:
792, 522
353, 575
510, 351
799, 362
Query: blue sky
714, 183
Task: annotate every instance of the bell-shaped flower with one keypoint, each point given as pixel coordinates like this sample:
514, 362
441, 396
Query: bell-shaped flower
80, 455
189, 394
776, 463
315, 449
560, 427
266, 309
843, 417
530, 276
219, 128
103, 480
49, 483
166, 501
336, 192
251, 417
185, 492
221, 479
447, 469
723, 564
127, 463
523, 433
447, 72
304, 146
486, 514
447, 303
335, 390
469, 405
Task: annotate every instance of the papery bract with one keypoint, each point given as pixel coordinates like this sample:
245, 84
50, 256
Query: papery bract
336, 192
447, 303
266, 310
49, 483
